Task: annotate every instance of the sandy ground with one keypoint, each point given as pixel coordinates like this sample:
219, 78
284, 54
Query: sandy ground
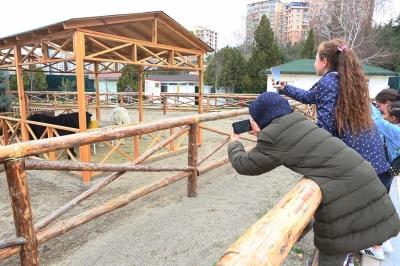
164, 227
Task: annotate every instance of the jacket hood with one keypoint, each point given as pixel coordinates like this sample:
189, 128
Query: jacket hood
267, 107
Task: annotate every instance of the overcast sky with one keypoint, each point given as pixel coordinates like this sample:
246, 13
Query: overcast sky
223, 16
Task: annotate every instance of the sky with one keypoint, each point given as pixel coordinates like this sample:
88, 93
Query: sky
224, 16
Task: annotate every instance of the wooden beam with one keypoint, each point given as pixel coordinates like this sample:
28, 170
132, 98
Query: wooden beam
130, 40
154, 30
106, 20
140, 88
21, 93
79, 51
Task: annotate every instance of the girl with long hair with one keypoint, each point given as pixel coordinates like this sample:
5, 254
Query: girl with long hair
343, 105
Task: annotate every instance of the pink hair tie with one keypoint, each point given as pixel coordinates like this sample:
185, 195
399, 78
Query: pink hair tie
342, 48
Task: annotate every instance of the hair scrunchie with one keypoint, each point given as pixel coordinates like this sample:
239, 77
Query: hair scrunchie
342, 48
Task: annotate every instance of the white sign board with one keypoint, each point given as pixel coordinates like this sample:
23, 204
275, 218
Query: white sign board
152, 88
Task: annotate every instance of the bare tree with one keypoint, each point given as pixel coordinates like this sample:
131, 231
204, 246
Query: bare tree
245, 45
353, 22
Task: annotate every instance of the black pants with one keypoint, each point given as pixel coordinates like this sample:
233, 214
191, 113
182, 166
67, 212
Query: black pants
386, 180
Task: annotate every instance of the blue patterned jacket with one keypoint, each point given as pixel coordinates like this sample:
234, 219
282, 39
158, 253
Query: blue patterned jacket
325, 95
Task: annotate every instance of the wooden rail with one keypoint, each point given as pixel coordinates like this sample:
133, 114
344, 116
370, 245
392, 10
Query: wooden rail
269, 240
15, 165
304, 199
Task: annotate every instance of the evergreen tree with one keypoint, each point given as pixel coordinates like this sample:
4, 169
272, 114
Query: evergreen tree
40, 82
226, 69
234, 69
14, 85
265, 55
5, 97
66, 84
33, 81
129, 77
308, 49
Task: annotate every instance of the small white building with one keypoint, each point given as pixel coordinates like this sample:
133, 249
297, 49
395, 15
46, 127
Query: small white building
107, 83
301, 73
178, 84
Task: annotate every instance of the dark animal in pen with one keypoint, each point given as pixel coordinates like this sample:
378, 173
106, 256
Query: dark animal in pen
66, 120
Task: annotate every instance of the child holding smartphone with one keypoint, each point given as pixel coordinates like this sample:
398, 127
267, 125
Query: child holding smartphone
355, 212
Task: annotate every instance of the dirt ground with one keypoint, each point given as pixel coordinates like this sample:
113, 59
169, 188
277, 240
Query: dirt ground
164, 227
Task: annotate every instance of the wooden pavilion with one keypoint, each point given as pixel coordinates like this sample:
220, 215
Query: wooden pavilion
102, 44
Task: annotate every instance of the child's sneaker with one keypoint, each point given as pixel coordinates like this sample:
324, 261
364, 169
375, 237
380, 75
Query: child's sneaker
373, 253
349, 260
387, 246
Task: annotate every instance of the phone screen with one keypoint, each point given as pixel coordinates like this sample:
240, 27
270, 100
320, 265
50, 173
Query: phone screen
241, 126
276, 74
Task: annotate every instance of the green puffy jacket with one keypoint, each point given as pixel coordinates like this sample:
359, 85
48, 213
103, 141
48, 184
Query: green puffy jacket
356, 212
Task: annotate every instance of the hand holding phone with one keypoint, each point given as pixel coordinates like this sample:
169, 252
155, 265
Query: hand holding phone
241, 126
276, 75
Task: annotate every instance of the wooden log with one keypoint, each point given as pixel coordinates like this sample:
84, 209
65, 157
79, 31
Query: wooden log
6, 243
215, 164
6, 252
22, 211
105, 167
29, 148
269, 240
192, 159
172, 143
49, 219
62, 227
226, 133
205, 157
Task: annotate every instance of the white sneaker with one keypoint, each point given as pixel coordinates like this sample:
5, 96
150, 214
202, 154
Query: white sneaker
387, 246
373, 253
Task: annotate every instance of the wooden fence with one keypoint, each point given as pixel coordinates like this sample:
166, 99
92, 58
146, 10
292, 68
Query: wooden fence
292, 213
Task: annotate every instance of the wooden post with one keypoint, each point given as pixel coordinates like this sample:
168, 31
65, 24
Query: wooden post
50, 135
79, 50
140, 83
201, 90
4, 128
165, 104
21, 92
98, 111
208, 104
192, 159
21, 205
55, 99
136, 143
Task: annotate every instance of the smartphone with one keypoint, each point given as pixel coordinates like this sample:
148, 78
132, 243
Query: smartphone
276, 74
242, 126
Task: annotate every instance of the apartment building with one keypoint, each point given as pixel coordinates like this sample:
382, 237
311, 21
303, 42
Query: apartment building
273, 10
296, 24
207, 35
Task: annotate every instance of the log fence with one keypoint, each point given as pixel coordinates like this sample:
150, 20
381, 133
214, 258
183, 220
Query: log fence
29, 235
11, 126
